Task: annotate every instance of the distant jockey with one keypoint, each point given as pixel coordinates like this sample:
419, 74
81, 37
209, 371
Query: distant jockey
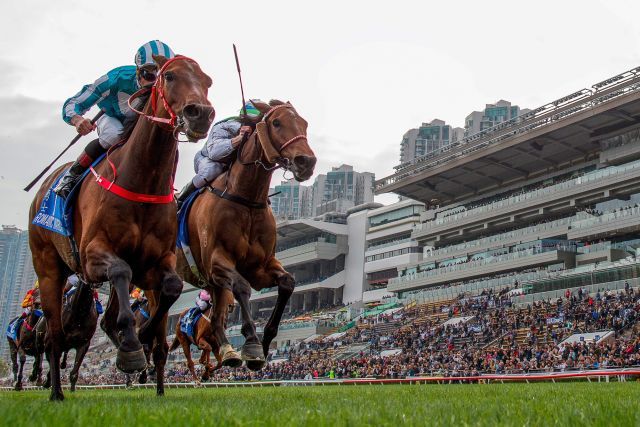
110, 92
71, 287
30, 299
203, 301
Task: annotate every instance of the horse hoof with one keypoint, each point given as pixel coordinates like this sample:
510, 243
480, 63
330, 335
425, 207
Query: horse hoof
18, 387
131, 362
232, 359
254, 357
56, 397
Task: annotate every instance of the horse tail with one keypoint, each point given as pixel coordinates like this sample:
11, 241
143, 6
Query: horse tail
175, 344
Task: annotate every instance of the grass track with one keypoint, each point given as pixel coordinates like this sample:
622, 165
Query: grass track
393, 405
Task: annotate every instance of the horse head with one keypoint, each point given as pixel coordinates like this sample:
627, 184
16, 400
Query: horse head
182, 87
282, 133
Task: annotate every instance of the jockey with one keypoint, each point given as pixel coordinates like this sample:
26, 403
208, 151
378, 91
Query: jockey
110, 92
224, 138
28, 301
203, 301
139, 299
71, 287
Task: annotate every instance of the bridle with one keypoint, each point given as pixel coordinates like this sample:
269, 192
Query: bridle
174, 122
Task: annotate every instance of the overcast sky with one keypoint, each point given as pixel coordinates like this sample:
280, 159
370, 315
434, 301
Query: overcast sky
361, 73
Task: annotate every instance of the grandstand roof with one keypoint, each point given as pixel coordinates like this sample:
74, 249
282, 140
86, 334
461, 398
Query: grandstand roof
302, 228
552, 137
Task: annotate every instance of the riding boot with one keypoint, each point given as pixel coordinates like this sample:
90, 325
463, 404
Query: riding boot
69, 180
185, 193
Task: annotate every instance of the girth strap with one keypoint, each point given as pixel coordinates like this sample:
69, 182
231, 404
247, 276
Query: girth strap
237, 199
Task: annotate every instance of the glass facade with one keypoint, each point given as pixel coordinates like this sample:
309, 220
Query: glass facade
396, 215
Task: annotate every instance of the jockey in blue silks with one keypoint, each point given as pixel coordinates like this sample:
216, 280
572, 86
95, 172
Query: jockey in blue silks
110, 92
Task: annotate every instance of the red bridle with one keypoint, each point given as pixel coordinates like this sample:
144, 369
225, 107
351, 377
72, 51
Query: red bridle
158, 92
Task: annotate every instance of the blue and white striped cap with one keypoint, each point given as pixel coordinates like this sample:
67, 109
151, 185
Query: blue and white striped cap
144, 55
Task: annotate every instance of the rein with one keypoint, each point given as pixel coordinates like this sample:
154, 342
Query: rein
273, 157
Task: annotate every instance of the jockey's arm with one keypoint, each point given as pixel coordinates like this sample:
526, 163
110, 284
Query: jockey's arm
75, 107
224, 139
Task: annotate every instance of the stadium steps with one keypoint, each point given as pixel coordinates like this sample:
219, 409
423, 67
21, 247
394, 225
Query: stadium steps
351, 351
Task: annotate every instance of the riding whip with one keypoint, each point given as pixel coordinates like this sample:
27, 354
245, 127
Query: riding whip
244, 104
73, 141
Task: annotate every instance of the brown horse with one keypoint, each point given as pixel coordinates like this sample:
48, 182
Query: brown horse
205, 340
233, 233
127, 238
26, 345
79, 322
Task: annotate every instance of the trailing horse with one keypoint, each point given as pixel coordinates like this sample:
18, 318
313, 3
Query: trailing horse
141, 315
232, 233
204, 339
127, 234
26, 345
79, 321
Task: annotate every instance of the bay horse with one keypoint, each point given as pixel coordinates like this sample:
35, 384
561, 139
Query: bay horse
26, 345
127, 235
205, 340
233, 233
79, 322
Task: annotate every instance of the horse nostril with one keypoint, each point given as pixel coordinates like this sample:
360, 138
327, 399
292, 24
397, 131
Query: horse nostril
304, 162
191, 111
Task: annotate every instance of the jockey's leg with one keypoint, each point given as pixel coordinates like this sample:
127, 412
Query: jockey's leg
207, 171
109, 130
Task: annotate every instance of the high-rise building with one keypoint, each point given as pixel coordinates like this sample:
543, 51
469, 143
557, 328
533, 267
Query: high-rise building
16, 275
429, 137
340, 189
291, 200
493, 114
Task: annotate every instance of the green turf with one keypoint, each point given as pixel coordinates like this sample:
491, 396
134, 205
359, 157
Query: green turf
393, 405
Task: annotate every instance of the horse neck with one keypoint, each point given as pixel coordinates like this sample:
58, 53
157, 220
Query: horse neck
250, 181
147, 161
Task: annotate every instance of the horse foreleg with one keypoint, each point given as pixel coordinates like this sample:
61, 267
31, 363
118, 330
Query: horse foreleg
227, 355
51, 286
63, 363
204, 358
186, 348
170, 290
73, 375
286, 284
101, 262
160, 352
13, 348
108, 323
23, 359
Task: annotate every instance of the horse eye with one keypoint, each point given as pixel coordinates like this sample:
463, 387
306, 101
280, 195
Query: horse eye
276, 123
169, 77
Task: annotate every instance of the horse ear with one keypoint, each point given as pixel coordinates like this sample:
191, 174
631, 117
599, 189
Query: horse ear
160, 60
263, 107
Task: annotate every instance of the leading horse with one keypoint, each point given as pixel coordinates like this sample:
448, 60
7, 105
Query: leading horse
127, 234
232, 232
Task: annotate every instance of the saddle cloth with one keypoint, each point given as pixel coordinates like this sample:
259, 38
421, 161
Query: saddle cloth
188, 322
55, 213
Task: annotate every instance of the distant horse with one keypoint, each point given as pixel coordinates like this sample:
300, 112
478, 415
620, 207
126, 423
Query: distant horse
26, 345
232, 232
79, 322
205, 340
127, 235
